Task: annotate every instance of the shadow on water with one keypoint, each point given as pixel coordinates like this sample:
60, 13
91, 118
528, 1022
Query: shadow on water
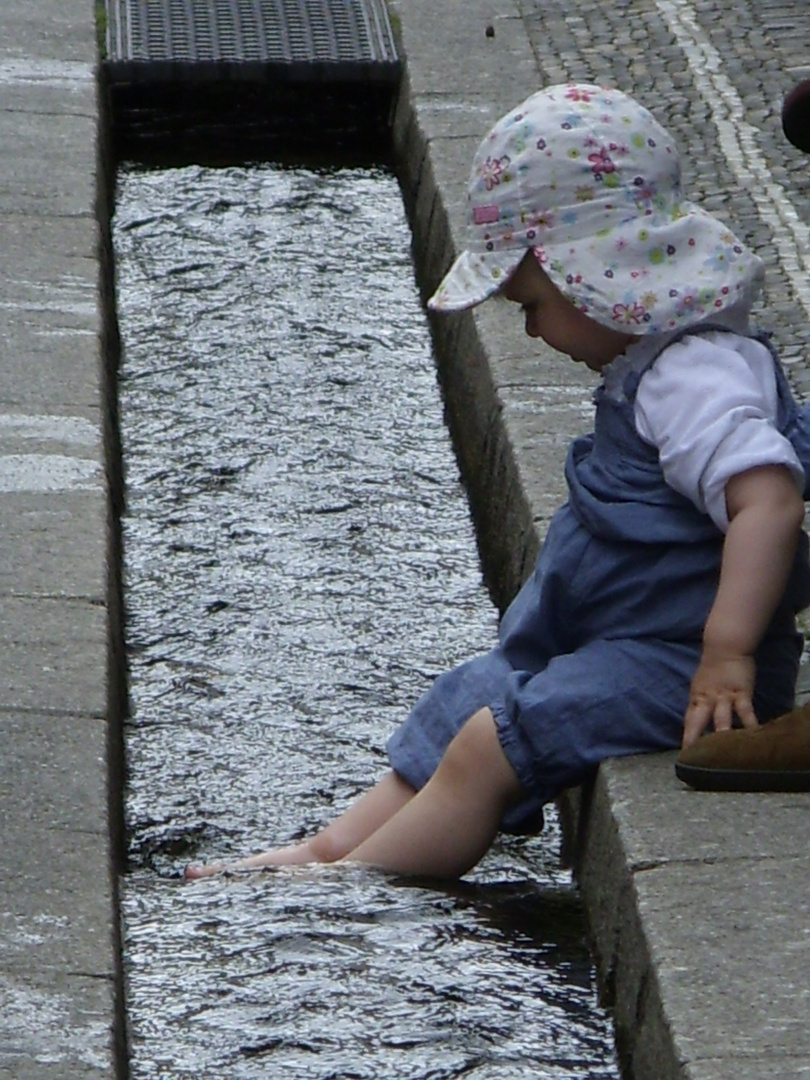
300, 565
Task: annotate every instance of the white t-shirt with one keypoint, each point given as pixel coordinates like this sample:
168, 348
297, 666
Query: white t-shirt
709, 405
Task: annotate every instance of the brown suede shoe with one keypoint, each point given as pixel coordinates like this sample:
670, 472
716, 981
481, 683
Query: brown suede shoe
772, 757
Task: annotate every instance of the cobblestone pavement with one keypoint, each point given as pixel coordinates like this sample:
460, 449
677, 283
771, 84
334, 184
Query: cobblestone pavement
715, 74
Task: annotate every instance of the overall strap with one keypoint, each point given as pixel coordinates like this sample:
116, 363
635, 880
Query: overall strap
708, 327
793, 419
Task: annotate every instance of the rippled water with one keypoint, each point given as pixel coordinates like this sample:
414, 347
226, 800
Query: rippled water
300, 564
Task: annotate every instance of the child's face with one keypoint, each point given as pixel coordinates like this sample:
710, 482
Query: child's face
550, 316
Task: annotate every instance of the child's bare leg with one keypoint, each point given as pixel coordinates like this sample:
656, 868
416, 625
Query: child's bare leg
449, 825
336, 840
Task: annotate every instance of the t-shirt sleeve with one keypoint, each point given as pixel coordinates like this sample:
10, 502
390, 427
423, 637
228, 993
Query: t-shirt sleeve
709, 404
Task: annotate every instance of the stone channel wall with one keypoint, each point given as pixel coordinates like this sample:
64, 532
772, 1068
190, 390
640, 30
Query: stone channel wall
117, 678
61, 1000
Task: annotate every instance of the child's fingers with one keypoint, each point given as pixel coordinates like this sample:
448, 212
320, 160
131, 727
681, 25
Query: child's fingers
696, 720
722, 688
745, 711
722, 713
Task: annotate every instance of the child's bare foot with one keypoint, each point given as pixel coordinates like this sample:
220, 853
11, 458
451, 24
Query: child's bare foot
193, 873
333, 843
296, 855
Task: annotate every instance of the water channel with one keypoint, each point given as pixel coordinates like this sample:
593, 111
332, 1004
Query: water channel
299, 565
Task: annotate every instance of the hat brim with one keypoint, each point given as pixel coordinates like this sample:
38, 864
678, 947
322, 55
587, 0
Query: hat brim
473, 278
690, 267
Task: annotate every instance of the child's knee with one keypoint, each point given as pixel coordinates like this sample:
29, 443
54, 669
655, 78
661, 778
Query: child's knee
476, 755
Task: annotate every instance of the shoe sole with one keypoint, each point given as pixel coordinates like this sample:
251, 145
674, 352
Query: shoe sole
705, 779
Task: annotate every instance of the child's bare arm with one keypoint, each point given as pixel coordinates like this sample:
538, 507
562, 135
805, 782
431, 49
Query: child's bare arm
766, 512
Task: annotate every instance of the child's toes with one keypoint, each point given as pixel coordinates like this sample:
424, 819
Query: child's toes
193, 873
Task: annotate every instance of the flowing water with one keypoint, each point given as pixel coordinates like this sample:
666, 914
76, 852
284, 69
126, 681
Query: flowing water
300, 565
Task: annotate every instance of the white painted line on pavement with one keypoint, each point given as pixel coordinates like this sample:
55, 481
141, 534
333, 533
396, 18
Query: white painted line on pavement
65, 74
36, 474
64, 429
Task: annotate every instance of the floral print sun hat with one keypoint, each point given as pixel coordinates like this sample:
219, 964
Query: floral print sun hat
586, 178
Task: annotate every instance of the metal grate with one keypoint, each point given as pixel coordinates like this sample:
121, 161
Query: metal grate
237, 80
312, 36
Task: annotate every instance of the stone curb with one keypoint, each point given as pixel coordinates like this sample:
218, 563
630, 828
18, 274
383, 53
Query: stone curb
61, 1000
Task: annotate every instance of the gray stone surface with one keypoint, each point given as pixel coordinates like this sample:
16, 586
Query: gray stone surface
51, 655
53, 547
56, 1027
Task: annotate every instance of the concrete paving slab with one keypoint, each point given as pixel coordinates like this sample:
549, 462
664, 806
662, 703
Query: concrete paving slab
39, 151
691, 901
441, 163
61, 985
451, 117
26, 71
69, 295
54, 547
730, 826
53, 772
52, 655
763, 1067
452, 54
56, 955
49, 313
49, 365
40, 251
31, 88
43, 944
51, 30
39, 1070
68, 431
730, 944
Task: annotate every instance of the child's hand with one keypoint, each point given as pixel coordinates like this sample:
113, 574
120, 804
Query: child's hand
722, 688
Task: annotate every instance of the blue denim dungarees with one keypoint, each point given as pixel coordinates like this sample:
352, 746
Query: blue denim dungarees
596, 653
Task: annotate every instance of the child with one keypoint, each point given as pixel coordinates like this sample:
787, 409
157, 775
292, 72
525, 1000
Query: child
664, 597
